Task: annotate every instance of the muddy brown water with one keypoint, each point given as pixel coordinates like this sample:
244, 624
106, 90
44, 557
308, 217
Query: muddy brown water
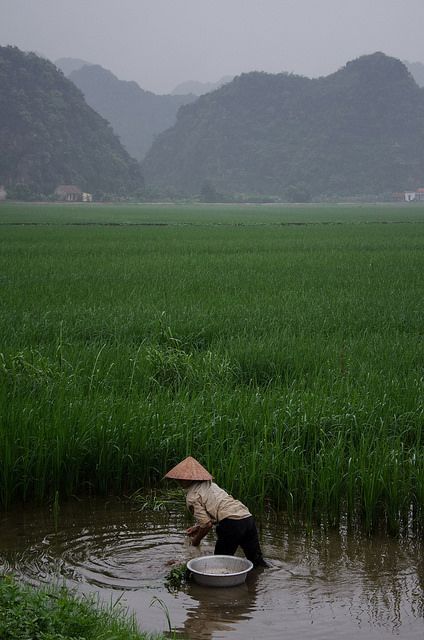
325, 585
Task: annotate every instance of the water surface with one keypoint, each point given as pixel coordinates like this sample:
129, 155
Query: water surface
323, 585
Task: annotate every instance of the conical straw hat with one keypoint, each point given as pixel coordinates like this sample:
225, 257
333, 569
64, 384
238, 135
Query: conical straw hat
189, 469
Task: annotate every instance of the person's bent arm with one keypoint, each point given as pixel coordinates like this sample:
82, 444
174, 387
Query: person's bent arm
200, 532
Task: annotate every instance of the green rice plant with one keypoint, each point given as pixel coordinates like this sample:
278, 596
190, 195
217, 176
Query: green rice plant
286, 357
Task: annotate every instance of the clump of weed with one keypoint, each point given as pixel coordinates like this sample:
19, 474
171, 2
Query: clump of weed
157, 501
172, 367
177, 578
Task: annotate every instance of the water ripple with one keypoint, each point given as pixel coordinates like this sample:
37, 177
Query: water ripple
373, 587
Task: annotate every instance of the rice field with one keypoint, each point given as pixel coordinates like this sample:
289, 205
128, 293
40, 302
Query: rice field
281, 346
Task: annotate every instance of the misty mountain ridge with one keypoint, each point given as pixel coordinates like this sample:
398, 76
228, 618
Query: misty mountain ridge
136, 115
200, 88
417, 71
50, 136
67, 65
359, 130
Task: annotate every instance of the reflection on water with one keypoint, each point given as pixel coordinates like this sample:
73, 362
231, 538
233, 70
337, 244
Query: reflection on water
215, 613
328, 584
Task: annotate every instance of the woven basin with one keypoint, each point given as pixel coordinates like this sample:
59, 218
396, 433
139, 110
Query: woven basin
219, 571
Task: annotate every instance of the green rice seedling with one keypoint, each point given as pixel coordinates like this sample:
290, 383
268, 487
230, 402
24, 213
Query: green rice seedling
281, 346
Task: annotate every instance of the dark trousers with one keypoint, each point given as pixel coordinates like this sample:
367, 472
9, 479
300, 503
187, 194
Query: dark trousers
243, 533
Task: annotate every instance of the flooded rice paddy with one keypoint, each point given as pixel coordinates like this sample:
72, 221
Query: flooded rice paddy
319, 586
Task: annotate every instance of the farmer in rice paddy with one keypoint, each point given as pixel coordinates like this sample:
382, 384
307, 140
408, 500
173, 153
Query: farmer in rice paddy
211, 506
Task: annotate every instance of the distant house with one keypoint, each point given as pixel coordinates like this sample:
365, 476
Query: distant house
3, 193
72, 193
399, 196
68, 192
409, 196
414, 196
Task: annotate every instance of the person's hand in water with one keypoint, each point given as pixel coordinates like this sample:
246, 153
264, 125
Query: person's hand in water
191, 531
197, 533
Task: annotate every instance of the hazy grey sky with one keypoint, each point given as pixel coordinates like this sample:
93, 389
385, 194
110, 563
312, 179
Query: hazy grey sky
160, 43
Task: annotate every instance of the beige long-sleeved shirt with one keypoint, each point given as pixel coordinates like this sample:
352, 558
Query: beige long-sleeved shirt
209, 503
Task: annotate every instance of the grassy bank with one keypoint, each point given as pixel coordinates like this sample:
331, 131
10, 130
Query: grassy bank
282, 347
58, 615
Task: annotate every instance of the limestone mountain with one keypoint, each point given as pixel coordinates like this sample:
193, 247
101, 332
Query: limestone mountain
67, 65
200, 88
357, 131
136, 116
50, 136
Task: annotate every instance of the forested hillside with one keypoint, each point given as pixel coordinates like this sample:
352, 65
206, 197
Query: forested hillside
136, 116
357, 131
50, 136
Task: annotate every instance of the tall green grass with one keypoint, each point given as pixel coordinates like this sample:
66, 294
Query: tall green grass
288, 359
57, 614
